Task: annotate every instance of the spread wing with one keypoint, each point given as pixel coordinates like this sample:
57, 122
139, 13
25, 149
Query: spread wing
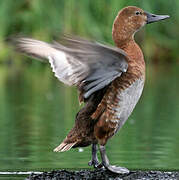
88, 65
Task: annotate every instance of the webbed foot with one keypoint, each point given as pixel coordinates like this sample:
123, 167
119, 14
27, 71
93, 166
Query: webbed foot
117, 169
105, 162
94, 162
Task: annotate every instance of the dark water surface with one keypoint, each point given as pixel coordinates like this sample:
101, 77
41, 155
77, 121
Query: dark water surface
36, 112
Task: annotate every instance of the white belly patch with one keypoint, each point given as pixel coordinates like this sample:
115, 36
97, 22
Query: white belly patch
128, 99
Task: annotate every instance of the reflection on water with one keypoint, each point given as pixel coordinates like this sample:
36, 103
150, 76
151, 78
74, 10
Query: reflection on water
36, 112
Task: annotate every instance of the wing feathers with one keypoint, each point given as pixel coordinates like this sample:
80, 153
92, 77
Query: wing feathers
61, 71
88, 65
34, 48
100, 85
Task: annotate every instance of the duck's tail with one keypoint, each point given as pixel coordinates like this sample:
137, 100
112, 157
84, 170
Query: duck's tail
64, 147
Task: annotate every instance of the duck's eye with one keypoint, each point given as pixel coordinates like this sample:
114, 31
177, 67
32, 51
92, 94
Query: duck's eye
138, 13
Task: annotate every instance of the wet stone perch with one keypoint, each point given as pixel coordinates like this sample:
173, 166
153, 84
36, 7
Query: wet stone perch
103, 174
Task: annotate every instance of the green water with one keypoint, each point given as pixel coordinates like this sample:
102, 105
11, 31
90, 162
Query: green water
36, 112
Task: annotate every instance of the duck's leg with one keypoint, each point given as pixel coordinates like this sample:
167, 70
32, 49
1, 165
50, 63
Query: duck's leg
94, 161
105, 163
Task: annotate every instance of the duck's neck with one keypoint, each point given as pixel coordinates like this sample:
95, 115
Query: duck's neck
132, 49
125, 43
121, 34
136, 61
124, 39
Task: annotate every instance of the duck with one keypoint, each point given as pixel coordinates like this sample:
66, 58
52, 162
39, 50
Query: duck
109, 79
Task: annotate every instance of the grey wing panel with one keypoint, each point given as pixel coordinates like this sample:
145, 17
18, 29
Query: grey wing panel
88, 65
97, 85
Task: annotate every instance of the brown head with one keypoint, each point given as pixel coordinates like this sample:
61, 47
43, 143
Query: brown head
129, 20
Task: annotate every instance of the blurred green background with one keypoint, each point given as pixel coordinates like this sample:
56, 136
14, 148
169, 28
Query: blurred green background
92, 19
37, 111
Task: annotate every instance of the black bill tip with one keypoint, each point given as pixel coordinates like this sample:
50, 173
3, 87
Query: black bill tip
154, 18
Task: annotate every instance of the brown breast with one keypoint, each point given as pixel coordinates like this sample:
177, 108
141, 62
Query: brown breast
123, 92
